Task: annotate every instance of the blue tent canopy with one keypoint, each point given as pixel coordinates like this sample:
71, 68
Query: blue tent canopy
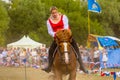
106, 41
113, 59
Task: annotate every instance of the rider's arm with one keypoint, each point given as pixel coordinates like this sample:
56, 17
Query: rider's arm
50, 31
65, 22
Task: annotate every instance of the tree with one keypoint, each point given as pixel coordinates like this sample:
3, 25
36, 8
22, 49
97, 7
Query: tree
4, 21
26, 16
29, 18
110, 17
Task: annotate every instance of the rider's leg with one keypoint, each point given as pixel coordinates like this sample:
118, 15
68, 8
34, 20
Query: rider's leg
50, 56
78, 56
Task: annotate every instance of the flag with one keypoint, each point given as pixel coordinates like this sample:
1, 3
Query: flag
93, 6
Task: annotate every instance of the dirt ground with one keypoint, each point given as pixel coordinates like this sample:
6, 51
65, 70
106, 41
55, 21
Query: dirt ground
37, 74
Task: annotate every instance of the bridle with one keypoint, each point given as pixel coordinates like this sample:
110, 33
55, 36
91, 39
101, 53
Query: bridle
65, 53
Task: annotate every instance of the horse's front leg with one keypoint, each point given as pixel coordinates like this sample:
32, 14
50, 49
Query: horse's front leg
58, 75
72, 75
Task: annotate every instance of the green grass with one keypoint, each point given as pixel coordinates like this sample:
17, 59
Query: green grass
9, 73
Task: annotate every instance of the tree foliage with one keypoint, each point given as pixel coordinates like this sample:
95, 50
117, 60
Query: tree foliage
110, 17
4, 21
28, 17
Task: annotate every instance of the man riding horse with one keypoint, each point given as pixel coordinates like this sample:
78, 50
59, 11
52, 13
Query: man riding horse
55, 23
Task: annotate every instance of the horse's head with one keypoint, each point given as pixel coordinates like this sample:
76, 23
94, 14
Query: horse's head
63, 36
63, 40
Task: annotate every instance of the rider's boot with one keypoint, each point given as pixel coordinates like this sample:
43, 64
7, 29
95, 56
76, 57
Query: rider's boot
78, 56
50, 57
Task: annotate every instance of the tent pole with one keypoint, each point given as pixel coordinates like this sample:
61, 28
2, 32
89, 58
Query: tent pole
88, 43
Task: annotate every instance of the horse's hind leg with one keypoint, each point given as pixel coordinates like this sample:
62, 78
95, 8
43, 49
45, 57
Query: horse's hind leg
72, 76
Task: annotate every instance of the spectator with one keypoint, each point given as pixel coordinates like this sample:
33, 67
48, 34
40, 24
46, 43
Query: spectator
96, 54
1, 59
4, 53
104, 57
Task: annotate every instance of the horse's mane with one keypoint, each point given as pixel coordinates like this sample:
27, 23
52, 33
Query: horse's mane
63, 35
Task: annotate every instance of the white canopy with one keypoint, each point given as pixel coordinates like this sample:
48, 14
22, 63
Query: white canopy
26, 42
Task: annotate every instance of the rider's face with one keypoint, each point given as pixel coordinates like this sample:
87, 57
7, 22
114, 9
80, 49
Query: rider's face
54, 13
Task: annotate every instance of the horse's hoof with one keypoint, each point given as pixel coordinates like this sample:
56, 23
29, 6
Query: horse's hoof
46, 70
87, 72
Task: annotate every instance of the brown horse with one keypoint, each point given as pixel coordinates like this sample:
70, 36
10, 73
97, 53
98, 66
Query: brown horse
65, 59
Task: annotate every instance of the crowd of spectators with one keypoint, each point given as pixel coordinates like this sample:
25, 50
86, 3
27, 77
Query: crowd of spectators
19, 57
91, 57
